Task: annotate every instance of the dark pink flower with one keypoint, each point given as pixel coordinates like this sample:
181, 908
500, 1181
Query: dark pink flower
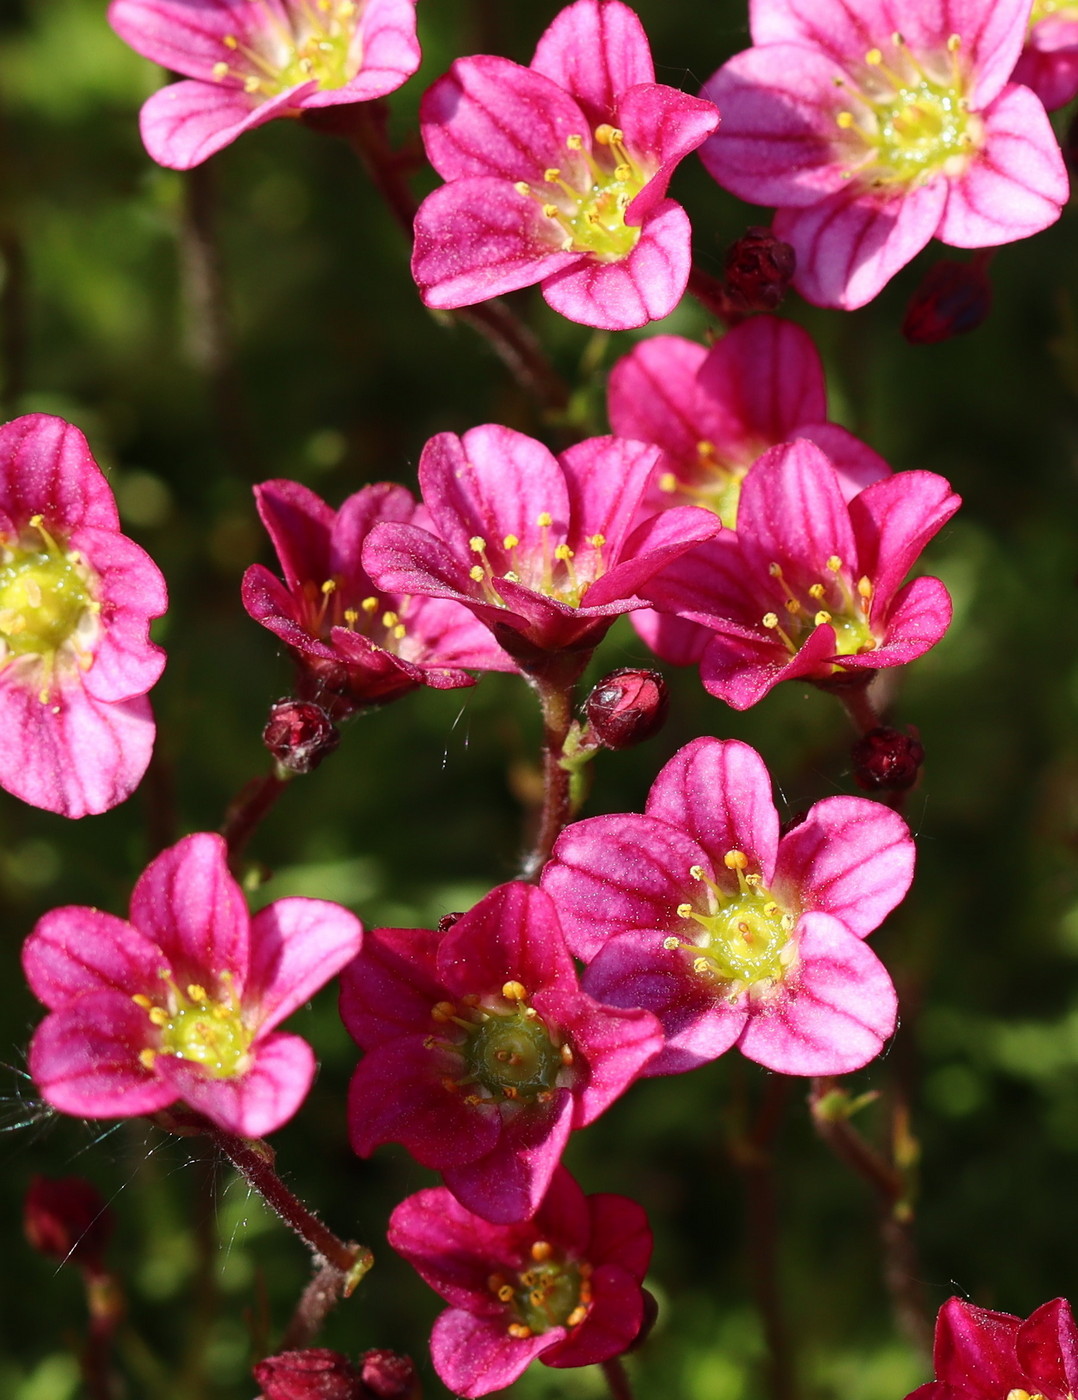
557, 174
183, 1001
811, 584
713, 412
482, 1053
247, 61
76, 600
982, 1355
353, 643
1049, 61
731, 935
564, 1287
873, 127
545, 551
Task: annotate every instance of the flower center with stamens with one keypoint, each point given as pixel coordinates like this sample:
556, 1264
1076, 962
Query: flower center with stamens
326, 607
712, 481
195, 1026
301, 41
743, 935
591, 212
830, 600
904, 119
550, 1291
507, 1050
548, 567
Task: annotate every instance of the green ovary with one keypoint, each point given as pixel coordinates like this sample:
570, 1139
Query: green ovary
599, 225
513, 1056
547, 1295
746, 938
206, 1032
852, 635
323, 56
43, 599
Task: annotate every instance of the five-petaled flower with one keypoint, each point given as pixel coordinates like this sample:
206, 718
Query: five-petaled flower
731, 935
870, 139
557, 174
353, 644
183, 1001
247, 61
810, 586
76, 600
482, 1053
983, 1355
564, 1287
545, 551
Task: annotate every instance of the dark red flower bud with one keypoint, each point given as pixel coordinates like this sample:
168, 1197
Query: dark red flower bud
446, 922
314, 1374
887, 759
758, 270
387, 1376
67, 1218
299, 734
953, 298
651, 1316
627, 707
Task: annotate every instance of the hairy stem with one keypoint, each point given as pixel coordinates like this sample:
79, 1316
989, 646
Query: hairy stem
555, 689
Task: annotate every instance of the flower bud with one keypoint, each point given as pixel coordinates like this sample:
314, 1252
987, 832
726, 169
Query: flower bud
758, 270
314, 1374
387, 1376
67, 1218
627, 707
299, 734
887, 759
953, 298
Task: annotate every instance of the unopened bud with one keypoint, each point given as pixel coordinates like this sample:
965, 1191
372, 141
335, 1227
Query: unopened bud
953, 298
67, 1218
627, 707
387, 1376
651, 1316
758, 270
314, 1374
446, 922
887, 759
299, 734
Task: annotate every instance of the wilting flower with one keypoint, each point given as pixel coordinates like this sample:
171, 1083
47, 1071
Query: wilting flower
731, 935
873, 128
982, 1355
564, 1287
76, 600
557, 174
543, 550
1049, 61
482, 1052
247, 61
714, 412
354, 644
811, 585
183, 1001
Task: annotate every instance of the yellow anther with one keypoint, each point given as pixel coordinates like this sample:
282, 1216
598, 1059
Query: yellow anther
329, 586
476, 574
544, 519
817, 590
954, 42
622, 172
696, 871
899, 40
541, 1251
142, 1001
563, 552
735, 860
519, 1330
775, 570
399, 631
389, 619
147, 1057
522, 187
566, 1054
443, 1011
551, 174
575, 143
834, 563
822, 617
608, 135
196, 992
844, 120
219, 71
576, 1317
597, 541
770, 620
551, 211
477, 544
510, 542
514, 991
158, 1015
684, 911
668, 482
230, 42
672, 943
701, 966
351, 616
505, 1293
874, 58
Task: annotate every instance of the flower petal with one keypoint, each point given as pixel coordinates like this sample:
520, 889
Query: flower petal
595, 49
185, 123
76, 950
297, 945
475, 1355
47, 469
252, 1104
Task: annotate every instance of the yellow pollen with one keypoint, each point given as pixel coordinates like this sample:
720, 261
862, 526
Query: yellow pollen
874, 57
510, 542
834, 563
230, 41
522, 187
672, 943
822, 617
551, 175
476, 574
844, 120
147, 1057
668, 482
597, 541
541, 1251
563, 552
577, 1316
575, 143
770, 620
477, 544
545, 519
519, 1330
351, 617
817, 590
735, 860
369, 605
514, 991
390, 619
158, 1015
864, 587
505, 1293
142, 1001
220, 70
329, 586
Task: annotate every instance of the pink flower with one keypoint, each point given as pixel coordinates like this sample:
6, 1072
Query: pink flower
1049, 61
564, 1287
731, 935
982, 1355
76, 599
557, 174
182, 1002
873, 127
482, 1051
713, 412
542, 550
811, 584
247, 61
353, 644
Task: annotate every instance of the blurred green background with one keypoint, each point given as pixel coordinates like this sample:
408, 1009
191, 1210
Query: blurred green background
322, 365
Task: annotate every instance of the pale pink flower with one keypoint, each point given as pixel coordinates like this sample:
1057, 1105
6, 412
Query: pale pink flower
76, 600
1049, 61
873, 126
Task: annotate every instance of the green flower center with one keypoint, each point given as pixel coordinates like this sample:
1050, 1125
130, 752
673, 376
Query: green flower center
550, 1291
832, 600
316, 41
45, 602
711, 481
592, 219
1052, 9
197, 1027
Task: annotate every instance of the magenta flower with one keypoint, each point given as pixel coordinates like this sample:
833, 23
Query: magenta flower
543, 550
713, 412
482, 1051
564, 1287
353, 644
557, 174
700, 912
873, 128
811, 585
982, 1355
247, 61
76, 600
183, 1001
1049, 61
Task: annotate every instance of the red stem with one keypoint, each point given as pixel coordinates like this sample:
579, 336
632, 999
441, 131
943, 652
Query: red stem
617, 1378
555, 689
246, 812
